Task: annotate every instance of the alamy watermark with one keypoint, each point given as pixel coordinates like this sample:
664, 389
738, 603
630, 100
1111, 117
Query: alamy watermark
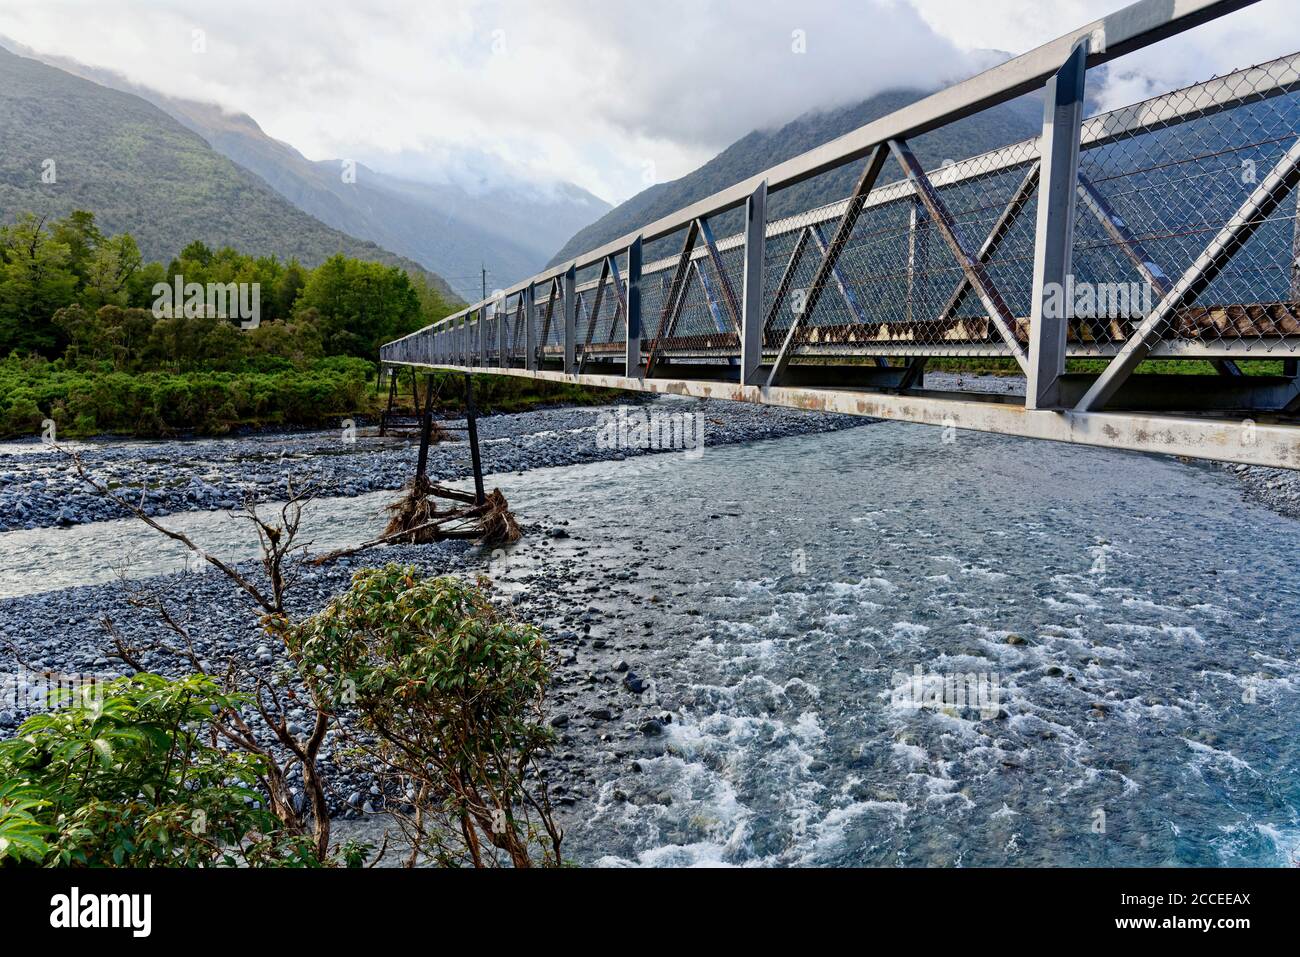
657, 430
1096, 300
980, 691
224, 300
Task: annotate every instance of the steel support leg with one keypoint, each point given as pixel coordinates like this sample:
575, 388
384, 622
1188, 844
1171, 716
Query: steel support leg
471, 426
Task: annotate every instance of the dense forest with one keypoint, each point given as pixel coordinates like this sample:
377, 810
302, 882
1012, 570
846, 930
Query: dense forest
86, 346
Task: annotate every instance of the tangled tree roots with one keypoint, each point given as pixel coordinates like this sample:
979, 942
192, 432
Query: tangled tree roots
416, 519
498, 522
411, 517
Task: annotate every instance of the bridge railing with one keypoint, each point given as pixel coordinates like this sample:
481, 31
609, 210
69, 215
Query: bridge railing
1167, 228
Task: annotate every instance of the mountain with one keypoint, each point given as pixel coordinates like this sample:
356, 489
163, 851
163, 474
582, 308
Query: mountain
140, 171
761, 149
509, 226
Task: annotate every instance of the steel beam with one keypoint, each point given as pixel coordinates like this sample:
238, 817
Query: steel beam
672, 297
545, 337
502, 337
595, 313
728, 293
846, 293
1054, 233
787, 274
570, 319
530, 327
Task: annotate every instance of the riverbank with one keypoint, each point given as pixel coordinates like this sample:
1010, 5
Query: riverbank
40, 489
594, 696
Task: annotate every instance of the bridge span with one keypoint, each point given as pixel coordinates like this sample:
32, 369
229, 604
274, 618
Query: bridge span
1097, 259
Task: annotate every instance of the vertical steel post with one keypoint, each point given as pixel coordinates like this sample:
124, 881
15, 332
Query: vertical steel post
1054, 236
570, 320
471, 426
502, 360
426, 428
632, 328
751, 306
530, 330
482, 337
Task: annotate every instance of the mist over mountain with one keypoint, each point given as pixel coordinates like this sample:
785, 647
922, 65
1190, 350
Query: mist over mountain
762, 149
507, 224
70, 143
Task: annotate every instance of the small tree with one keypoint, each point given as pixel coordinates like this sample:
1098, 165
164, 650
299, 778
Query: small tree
453, 694
301, 748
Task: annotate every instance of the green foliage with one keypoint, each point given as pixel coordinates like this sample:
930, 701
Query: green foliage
453, 693
359, 305
273, 391
56, 278
121, 775
72, 294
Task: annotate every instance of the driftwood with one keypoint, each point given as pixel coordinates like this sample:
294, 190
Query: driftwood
416, 519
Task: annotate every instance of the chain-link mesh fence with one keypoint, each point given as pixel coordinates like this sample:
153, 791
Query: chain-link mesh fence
1194, 185
1161, 180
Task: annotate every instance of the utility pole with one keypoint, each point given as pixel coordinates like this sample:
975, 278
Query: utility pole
484, 280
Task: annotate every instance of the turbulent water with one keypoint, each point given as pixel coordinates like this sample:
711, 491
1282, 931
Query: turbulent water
1130, 625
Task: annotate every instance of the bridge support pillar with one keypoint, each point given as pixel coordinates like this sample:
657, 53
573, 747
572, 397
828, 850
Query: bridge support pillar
1054, 236
471, 426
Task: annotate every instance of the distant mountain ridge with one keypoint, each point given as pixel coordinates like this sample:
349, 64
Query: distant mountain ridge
761, 149
140, 171
451, 230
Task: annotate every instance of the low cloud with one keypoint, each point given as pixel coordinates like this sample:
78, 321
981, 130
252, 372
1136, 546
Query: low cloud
608, 95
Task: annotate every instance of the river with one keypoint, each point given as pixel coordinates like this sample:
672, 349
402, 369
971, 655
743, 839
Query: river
1129, 622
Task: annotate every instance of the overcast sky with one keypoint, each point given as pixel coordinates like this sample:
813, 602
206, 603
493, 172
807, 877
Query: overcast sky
611, 95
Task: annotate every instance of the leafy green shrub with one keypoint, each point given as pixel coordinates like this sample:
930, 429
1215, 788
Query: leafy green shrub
153, 403
453, 694
121, 775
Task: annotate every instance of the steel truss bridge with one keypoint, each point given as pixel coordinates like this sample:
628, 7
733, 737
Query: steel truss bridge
1166, 230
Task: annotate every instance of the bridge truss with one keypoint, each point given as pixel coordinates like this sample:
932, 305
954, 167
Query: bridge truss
1088, 258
